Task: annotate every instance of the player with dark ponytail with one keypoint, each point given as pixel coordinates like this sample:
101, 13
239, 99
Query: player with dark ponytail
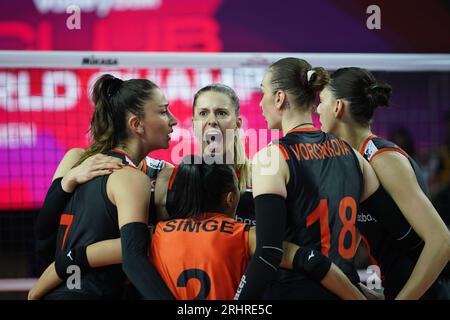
130, 119
202, 240
405, 234
307, 187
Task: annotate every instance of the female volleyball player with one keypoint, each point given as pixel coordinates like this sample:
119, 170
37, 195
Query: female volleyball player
397, 228
216, 109
130, 119
216, 122
203, 241
306, 187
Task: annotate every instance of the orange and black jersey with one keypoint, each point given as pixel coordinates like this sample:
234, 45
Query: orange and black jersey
392, 243
323, 194
151, 167
90, 217
203, 258
394, 226
385, 231
374, 145
245, 211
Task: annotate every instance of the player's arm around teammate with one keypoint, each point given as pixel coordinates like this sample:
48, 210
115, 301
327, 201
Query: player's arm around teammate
64, 182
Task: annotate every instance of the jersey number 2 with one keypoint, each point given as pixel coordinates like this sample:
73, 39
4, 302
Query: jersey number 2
321, 214
200, 275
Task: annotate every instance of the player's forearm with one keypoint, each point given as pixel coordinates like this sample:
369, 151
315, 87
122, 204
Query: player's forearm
136, 264
338, 283
104, 253
47, 281
334, 279
47, 220
431, 262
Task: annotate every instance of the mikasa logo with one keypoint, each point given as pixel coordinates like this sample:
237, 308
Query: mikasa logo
366, 218
99, 61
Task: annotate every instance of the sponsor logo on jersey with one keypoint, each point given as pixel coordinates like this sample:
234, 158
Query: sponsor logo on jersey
250, 222
365, 217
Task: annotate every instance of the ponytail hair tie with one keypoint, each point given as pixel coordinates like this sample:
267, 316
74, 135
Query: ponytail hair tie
309, 75
114, 86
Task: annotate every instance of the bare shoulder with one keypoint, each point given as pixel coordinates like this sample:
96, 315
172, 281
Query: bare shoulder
389, 159
165, 173
130, 176
75, 152
70, 158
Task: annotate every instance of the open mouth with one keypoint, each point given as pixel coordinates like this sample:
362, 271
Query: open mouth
169, 135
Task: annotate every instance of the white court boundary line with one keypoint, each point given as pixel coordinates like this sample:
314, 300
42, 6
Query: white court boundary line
16, 285
25, 284
331, 61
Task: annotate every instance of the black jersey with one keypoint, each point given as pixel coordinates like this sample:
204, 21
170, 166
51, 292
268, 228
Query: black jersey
90, 217
323, 194
391, 218
387, 232
392, 243
151, 167
374, 145
245, 211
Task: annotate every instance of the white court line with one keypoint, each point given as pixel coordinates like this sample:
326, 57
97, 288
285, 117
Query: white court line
19, 284
25, 284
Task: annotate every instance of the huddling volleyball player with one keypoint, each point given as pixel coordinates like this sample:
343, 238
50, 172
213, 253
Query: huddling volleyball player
404, 234
203, 241
216, 123
216, 107
215, 110
130, 119
67, 176
63, 184
307, 188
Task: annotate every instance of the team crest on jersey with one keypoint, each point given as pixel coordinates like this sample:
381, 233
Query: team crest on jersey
371, 149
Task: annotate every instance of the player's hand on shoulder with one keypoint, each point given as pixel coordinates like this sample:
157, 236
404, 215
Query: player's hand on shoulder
94, 166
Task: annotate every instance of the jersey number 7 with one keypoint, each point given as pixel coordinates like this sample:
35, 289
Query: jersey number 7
66, 220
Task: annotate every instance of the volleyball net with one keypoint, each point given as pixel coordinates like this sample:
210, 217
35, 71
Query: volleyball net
45, 109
